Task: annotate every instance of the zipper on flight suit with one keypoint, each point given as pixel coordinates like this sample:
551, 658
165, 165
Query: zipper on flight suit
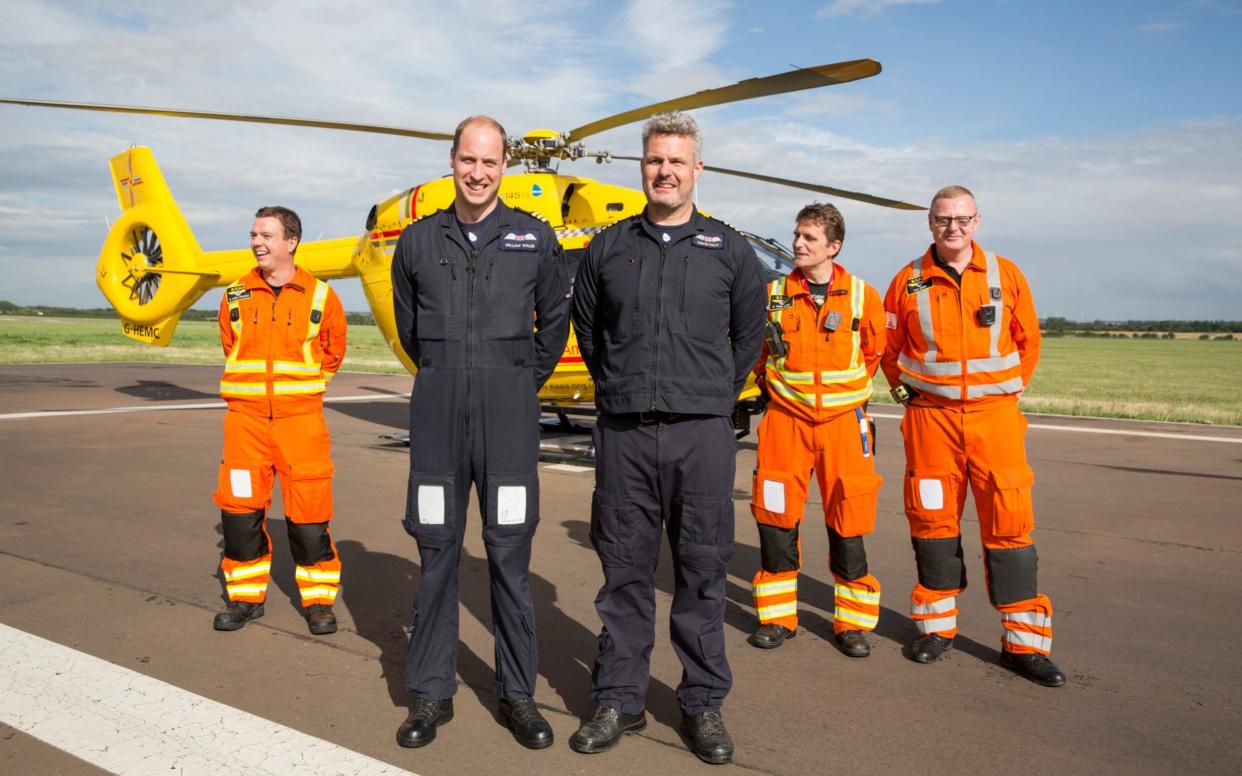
655, 360
471, 270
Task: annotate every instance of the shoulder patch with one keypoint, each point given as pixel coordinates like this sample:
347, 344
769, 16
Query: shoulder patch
236, 292
915, 285
779, 302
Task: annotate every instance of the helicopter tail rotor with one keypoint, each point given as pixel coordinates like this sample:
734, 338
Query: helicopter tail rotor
149, 268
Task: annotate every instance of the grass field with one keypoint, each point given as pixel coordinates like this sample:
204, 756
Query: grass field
1181, 380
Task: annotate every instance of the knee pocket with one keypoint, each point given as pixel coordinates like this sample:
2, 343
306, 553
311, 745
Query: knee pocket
512, 509
854, 504
243, 486
1013, 513
931, 498
430, 507
308, 494
776, 498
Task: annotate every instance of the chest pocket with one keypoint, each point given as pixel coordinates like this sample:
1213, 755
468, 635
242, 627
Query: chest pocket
441, 281
620, 306
509, 278
705, 282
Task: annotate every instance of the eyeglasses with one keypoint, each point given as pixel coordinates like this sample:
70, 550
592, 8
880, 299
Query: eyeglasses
962, 221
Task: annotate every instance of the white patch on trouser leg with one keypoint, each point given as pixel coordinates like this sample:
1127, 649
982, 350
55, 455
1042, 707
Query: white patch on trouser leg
431, 504
931, 494
774, 496
511, 504
239, 483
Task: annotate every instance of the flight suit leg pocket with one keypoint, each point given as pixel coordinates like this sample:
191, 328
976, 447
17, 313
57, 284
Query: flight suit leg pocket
244, 486
705, 532
776, 499
612, 519
430, 510
308, 492
512, 509
853, 511
1013, 513
931, 502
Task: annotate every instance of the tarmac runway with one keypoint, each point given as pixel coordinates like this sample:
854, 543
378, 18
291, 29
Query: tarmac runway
109, 545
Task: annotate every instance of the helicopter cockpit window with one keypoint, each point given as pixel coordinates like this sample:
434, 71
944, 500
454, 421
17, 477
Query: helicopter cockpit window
775, 260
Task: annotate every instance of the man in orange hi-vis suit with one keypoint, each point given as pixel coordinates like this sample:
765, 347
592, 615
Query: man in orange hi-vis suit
283, 334
824, 337
963, 341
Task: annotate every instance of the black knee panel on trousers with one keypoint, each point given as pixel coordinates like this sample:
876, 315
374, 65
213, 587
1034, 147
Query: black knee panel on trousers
1012, 574
244, 538
940, 563
847, 556
778, 548
309, 543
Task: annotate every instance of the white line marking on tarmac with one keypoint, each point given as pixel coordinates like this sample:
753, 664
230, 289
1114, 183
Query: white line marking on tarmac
210, 405
1114, 431
128, 723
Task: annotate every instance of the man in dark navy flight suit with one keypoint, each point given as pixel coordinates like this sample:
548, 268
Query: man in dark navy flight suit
481, 301
669, 314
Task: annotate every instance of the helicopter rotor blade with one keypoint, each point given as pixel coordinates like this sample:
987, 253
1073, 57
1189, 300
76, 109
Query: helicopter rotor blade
795, 80
348, 126
854, 195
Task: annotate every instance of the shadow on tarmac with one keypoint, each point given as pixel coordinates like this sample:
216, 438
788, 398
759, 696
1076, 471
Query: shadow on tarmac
159, 390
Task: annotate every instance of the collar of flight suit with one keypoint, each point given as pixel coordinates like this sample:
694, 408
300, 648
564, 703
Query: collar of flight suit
798, 284
697, 224
978, 261
447, 219
301, 280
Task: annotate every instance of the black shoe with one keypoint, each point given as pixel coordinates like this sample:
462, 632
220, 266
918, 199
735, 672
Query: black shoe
1034, 666
419, 729
770, 636
529, 727
605, 729
928, 647
707, 737
320, 619
853, 643
236, 615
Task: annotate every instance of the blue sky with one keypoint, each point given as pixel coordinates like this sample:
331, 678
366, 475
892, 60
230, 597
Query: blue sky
1103, 139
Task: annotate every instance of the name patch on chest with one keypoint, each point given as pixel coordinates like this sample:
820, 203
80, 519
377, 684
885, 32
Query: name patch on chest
915, 285
779, 302
236, 293
713, 242
519, 241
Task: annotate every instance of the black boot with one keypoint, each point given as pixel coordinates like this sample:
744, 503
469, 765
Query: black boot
529, 727
237, 614
707, 737
419, 729
770, 636
320, 619
853, 643
604, 730
1034, 666
928, 648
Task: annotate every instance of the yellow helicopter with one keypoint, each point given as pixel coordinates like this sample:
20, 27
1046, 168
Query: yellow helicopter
151, 268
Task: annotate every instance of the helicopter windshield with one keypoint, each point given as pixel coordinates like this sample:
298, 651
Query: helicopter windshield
775, 260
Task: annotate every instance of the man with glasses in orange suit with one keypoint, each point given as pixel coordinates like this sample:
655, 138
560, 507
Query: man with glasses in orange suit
963, 342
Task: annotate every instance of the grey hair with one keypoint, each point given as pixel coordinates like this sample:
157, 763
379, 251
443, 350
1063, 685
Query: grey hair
951, 192
674, 123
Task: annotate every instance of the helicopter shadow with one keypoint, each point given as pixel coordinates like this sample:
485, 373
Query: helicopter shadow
160, 390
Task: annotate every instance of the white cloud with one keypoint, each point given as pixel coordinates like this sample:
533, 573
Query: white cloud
672, 34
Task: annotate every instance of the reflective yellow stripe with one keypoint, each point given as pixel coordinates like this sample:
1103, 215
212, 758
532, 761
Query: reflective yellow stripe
853, 617
777, 610
855, 594
319, 591
246, 572
843, 376
846, 397
245, 366
317, 575
857, 287
294, 367
242, 389
310, 386
776, 588
318, 298
789, 393
246, 589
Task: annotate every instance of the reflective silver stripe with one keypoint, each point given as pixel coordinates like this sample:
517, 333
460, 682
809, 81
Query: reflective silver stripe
1034, 619
1028, 639
923, 300
998, 364
936, 607
936, 625
994, 281
1013, 385
932, 369
947, 391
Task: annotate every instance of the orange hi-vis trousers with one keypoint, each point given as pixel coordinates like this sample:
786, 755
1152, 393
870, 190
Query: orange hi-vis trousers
256, 450
840, 451
946, 448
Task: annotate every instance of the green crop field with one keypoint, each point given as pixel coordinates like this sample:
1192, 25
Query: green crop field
1150, 379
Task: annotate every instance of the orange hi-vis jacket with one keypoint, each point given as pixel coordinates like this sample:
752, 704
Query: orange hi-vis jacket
280, 350
938, 344
823, 374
